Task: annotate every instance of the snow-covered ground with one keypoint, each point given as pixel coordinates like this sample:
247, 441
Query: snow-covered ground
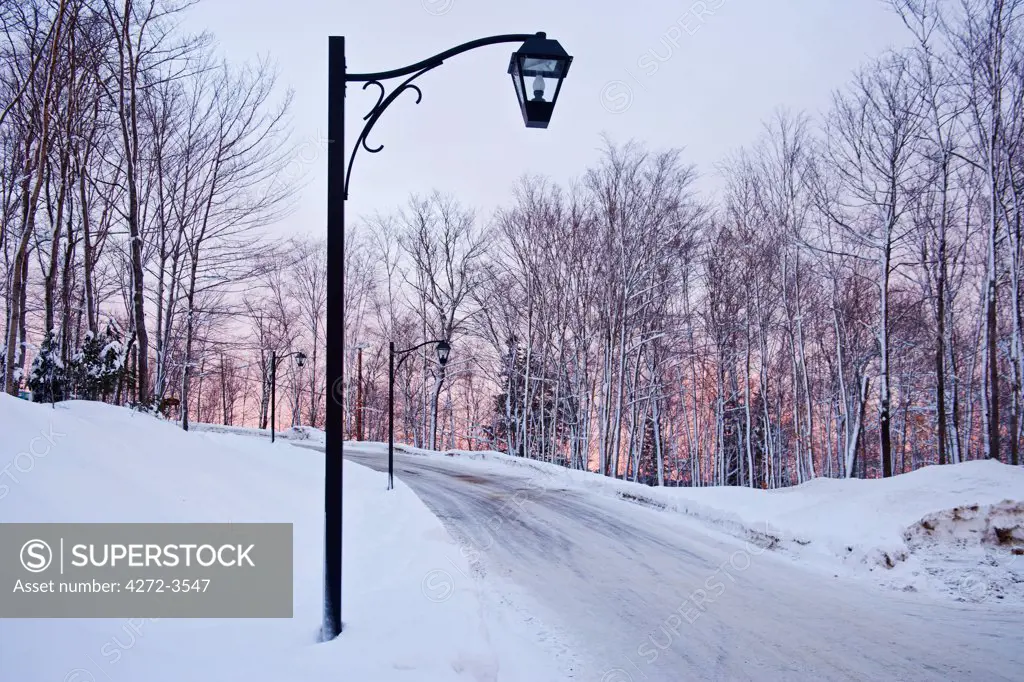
643, 594
955, 531
88, 462
419, 607
294, 433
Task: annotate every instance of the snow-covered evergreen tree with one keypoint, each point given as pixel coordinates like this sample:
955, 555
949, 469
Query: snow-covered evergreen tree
48, 378
112, 357
98, 364
87, 367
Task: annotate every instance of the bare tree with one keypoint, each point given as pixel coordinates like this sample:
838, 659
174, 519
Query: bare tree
871, 146
444, 248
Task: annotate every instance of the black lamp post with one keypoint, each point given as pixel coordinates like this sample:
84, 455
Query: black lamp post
542, 60
443, 350
275, 359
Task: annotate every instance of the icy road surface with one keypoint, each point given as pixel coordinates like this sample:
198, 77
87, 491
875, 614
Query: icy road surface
639, 595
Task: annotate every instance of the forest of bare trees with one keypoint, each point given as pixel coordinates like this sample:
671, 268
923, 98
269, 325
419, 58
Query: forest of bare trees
849, 303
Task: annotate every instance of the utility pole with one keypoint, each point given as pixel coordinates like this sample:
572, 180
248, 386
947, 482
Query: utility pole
273, 393
359, 395
223, 390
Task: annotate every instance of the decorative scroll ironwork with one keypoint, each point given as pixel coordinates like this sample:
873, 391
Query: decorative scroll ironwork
413, 71
384, 100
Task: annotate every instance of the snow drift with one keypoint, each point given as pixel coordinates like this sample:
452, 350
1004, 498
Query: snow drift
406, 618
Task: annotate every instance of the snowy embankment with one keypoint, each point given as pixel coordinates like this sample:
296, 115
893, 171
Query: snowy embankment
954, 530
294, 433
88, 462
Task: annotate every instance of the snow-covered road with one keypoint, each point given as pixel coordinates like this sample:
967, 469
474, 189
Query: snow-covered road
638, 595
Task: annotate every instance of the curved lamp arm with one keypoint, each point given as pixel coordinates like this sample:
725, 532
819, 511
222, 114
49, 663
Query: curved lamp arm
403, 354
279, 358
439, 58
413, 71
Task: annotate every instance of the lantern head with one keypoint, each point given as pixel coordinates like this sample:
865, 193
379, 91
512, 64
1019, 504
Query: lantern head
538, 69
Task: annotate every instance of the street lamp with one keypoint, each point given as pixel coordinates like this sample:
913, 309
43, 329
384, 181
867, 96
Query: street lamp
547, 64
300, 361
542, 60
443, 350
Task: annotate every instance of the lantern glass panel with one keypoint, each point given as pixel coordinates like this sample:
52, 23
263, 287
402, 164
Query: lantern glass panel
543, 66
541, 89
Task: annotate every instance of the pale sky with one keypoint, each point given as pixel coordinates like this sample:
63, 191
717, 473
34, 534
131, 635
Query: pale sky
699, 75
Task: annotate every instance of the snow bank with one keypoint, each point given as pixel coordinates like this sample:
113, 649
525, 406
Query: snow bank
294, 433
955, 530
405, 617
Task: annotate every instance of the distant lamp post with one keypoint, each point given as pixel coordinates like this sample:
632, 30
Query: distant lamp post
443, 350
539, 59
275, 359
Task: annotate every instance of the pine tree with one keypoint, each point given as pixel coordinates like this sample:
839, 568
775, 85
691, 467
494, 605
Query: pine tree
113, 361
98, 365
87, 367
524, 423
48, 378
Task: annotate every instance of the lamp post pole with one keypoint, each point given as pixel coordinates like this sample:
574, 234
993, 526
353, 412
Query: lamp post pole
335, 343
391, 413
300, 359
538, 58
